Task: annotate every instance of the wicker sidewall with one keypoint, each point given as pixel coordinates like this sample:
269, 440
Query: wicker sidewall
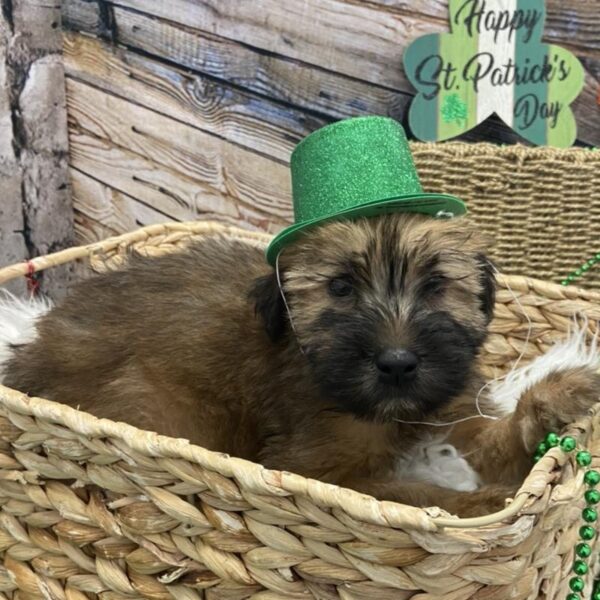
540, 205
101, 510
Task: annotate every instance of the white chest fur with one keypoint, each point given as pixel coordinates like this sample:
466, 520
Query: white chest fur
438, 463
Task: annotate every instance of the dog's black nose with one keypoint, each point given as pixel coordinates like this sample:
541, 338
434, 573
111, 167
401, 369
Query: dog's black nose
396, 365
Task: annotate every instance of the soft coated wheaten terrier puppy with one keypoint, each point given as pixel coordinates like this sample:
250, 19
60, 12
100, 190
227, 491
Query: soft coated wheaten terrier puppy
386, 319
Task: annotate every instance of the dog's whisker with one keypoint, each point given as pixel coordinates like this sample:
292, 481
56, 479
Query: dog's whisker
285, 303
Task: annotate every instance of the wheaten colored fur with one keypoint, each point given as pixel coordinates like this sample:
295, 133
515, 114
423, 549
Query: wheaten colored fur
198, 345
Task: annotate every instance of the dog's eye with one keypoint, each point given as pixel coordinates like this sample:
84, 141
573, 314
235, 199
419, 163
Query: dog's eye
435, 284
340, 287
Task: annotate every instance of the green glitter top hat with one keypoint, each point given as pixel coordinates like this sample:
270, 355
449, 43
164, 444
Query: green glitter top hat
358, 167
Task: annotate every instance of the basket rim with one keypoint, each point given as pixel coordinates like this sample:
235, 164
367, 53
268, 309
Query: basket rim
258, 478
575, 154
253, 475
170, 231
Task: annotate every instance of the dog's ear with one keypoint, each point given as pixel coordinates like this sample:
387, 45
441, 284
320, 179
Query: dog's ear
487, 278
268, 303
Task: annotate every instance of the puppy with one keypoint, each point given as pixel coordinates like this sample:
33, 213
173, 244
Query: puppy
378, 322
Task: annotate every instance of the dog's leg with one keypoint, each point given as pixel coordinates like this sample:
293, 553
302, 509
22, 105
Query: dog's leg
502, 450
486, 500
556, 401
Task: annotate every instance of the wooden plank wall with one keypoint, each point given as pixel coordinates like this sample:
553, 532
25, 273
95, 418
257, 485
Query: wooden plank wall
181, 109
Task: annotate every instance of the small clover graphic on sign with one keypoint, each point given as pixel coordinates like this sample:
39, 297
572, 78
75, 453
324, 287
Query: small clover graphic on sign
493, 61
454, 110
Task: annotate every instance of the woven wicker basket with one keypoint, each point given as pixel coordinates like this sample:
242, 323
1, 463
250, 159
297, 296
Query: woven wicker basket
541, 204
97, 509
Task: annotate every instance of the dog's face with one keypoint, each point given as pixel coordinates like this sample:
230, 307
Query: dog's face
390, 311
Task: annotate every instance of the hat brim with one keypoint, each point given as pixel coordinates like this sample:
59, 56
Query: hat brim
429, 204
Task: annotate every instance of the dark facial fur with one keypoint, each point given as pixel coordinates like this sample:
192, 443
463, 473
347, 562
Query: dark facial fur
405, 284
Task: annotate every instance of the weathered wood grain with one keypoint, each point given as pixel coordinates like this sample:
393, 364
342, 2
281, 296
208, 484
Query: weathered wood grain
593, 68
175, 168
574, 24
164, 189
295, 82
241, 117
89, 231
431, 8
288, 81
102, 211
357, 40
587, 111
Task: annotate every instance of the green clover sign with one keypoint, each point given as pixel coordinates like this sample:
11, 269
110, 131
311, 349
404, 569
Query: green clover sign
493, 61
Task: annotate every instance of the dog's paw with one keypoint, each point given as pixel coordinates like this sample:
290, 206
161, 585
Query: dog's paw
556, 401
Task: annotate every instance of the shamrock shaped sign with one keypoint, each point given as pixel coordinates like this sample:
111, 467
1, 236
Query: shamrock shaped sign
493, 61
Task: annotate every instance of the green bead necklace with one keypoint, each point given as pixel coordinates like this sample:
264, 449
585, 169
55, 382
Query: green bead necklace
586, 266
589, 514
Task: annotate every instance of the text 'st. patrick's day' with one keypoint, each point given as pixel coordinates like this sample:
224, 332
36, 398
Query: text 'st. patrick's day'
493, 61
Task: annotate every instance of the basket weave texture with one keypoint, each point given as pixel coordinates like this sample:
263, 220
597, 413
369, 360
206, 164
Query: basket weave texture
542, 205
93, 509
